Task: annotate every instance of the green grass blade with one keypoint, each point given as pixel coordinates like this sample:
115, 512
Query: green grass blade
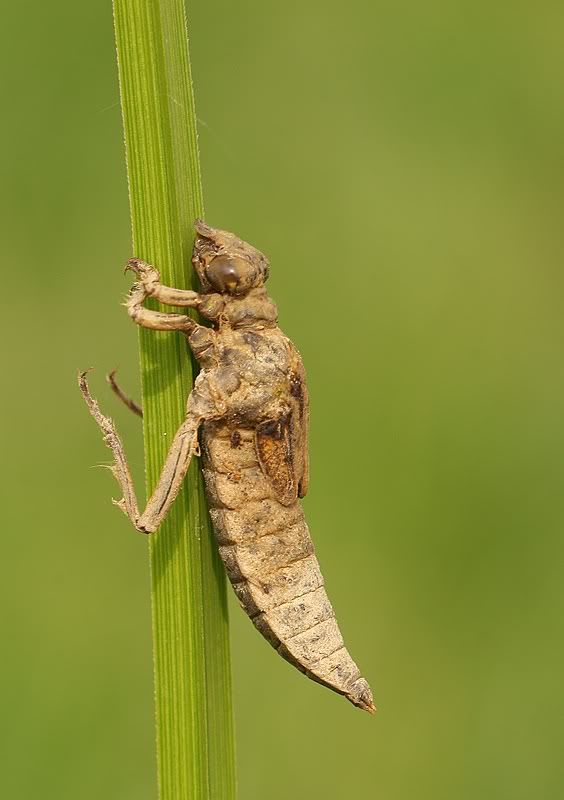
195, 743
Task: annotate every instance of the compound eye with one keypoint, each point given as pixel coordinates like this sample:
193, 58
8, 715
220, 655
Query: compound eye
224, 274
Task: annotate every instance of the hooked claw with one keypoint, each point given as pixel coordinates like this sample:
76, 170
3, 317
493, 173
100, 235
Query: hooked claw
136, 265
148, 275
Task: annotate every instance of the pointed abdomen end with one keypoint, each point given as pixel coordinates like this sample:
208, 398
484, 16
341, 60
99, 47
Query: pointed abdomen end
360, 695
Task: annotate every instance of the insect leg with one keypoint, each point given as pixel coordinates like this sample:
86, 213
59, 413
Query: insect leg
155, 320
120, 468
204, 402
118, 391
201, 405
183, 447
149, 277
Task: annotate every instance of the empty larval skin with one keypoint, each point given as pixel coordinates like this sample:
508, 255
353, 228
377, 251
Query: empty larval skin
248, 416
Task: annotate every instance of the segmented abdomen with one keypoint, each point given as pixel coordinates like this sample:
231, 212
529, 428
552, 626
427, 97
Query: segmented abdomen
270, 561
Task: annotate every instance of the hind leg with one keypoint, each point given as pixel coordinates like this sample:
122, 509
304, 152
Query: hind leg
201, 405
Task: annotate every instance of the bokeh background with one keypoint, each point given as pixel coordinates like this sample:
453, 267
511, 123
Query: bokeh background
402, 164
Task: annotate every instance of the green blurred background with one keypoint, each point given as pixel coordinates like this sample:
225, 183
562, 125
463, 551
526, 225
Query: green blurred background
402, 164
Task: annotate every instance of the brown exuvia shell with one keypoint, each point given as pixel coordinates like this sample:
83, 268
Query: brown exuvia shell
255, 459
248, 415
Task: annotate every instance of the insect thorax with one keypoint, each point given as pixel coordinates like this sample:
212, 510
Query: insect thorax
253, 308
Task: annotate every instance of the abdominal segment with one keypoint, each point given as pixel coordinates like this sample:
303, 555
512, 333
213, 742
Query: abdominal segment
270, 561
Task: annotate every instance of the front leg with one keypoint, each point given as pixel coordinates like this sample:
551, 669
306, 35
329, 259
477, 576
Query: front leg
155, 320
184, 446
149, 278
149, 285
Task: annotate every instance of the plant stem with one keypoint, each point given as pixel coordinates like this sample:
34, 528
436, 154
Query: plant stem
195, 743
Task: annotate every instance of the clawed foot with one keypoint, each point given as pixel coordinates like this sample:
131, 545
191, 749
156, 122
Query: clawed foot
148, 276
148, 284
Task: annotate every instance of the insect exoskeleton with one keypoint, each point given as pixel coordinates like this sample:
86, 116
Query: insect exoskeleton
250, 408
